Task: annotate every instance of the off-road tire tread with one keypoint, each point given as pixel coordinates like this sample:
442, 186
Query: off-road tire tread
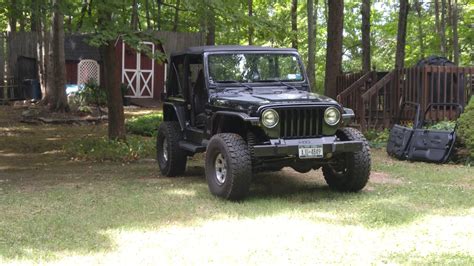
239, 165
360, 165
177, 157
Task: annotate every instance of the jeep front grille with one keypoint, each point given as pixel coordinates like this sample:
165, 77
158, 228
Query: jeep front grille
300, 122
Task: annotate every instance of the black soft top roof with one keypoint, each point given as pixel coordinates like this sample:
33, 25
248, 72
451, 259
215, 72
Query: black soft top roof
231, 48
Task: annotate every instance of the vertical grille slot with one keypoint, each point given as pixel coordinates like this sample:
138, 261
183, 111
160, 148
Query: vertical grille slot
300, 122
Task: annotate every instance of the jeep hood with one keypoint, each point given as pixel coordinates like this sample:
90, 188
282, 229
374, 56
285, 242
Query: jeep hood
245, 100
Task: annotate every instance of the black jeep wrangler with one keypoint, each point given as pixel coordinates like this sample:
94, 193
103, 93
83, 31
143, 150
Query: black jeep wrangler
251, 109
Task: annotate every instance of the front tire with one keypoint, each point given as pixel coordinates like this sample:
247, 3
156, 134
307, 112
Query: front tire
171, 158
352, 170
228, 166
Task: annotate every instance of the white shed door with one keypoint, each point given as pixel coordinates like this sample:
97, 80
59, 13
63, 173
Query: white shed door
138, 72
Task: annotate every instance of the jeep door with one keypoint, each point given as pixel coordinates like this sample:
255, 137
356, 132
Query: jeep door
401, 133
433, 145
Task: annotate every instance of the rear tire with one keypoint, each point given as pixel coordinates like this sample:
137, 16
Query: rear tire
228, 166
171, 158
353, 170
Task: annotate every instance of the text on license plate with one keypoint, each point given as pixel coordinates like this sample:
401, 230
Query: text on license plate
310, 151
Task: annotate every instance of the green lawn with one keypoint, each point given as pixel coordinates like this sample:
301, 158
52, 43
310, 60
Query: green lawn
54, 210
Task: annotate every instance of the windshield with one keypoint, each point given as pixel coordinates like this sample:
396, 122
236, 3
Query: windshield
259, 67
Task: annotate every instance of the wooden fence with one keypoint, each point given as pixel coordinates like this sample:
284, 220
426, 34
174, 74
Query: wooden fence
345, 80
379, 105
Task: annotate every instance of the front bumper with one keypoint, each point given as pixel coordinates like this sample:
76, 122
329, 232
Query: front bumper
289, 147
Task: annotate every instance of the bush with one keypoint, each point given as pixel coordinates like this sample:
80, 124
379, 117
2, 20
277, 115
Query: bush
145, 125
93, 149
377, 138
466, 128
443, 125
92, 94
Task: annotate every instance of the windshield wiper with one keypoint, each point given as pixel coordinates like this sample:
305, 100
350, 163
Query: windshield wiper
247, 87
288, 86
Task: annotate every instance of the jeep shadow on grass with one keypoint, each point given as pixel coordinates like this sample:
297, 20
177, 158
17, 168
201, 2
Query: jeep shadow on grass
251, 109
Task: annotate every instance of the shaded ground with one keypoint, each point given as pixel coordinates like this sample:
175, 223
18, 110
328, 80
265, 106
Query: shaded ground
54, 210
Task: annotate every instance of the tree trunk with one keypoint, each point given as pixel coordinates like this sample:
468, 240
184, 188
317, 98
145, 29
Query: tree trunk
34, 7
158, 14
112, 85
455, 33
449, 20
13, 15
250, 14
211, 27
421, 36
436, 10
114, 94
312, 10
56, 89
40, 54
134, 19
176, 16
147, 13
294, 24
442, 32
334, 46
43, 51
401, 34
365, 10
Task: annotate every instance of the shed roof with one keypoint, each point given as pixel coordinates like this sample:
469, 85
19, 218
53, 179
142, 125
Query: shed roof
77, 48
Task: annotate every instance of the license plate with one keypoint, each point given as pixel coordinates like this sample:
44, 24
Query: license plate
310, 151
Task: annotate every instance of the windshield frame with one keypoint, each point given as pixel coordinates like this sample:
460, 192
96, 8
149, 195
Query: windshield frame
301, 83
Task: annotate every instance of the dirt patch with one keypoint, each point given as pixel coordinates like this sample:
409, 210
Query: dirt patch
383, 178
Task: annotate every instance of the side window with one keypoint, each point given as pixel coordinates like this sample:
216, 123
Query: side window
195, 71
176, 81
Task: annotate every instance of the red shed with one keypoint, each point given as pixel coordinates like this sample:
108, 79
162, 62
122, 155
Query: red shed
143, 75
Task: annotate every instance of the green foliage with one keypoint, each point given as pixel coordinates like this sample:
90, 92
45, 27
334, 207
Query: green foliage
92, 94
377, 138
145, 125
443, 125
466, 128
102, 149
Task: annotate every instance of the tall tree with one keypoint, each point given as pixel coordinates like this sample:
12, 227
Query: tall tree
312, 11
401, 34
134, 20
210, 26
442, 29
250, 14
294, 24
56, 89
365, 10
112, 85
159, 4
147, 13
455, 33
419, 22
176, 16
42, 45
333, 46
13, 15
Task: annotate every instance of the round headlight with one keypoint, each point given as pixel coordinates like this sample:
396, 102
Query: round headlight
332, 116
270, 118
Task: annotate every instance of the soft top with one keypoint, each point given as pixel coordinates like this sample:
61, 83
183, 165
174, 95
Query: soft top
231, 48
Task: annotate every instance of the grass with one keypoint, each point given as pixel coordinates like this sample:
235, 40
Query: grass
145, 125
55, 210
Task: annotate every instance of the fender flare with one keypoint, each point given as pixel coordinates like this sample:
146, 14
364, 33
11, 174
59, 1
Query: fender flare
242, 116
179, 111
